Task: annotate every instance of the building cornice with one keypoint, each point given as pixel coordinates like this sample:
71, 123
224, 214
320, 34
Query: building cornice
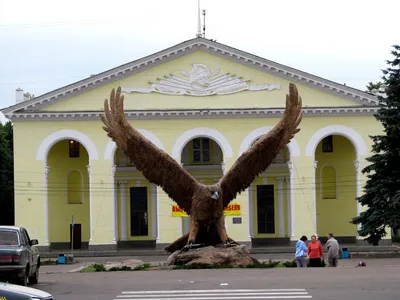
194, 114
185, 48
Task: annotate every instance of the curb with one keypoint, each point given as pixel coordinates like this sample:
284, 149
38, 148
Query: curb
378, 252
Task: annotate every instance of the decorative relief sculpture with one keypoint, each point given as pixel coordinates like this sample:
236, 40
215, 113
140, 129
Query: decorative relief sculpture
200, 81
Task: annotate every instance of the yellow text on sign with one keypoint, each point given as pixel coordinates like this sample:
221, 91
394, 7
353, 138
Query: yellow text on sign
232, 209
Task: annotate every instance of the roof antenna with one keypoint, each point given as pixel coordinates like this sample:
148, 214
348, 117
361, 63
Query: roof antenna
199, 21
204, 23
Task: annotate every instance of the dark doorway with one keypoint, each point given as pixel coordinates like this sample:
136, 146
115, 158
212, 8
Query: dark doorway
265, 208
77, 236
139, 212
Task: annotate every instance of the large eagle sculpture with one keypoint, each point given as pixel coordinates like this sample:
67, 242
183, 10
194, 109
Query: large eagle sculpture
205, 204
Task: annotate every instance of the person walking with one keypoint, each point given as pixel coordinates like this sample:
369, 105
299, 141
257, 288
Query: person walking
301, 252
332, 246
315, 252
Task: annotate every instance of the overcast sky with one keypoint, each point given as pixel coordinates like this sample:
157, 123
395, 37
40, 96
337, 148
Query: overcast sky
47, 44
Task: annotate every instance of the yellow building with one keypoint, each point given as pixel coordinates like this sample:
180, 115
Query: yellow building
204, 103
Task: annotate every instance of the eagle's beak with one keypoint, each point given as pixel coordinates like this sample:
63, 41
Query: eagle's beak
215, 196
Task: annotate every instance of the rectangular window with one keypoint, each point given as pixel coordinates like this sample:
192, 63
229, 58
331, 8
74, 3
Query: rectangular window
73, 149
265, 209
327, 144
201, 150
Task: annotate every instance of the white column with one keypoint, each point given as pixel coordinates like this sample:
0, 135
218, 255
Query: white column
114, 204
46, 205
250, 194
358, 188
122, 207
289, 208
90, 205
154, 210
281, 207
158, 214
315, 195
290, 197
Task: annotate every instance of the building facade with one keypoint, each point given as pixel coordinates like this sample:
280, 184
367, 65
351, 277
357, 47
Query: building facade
204, 103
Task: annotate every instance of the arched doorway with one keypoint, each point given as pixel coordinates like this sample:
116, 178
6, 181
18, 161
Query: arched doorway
203, 158
336, 188
68, 195
136, 207
270, 203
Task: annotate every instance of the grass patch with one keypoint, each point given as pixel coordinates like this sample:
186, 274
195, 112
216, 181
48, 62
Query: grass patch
102, 268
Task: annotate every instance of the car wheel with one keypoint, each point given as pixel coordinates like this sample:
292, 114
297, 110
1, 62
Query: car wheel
23, 280
34, 279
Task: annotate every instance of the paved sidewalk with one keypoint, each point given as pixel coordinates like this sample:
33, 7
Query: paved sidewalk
347, 263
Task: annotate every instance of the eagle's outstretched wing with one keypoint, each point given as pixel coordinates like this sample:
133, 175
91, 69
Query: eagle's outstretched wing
261, 154
154, 163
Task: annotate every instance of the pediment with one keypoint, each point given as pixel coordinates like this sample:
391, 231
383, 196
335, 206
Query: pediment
186, 70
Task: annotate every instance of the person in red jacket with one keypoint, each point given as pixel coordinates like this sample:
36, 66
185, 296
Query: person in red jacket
315, 252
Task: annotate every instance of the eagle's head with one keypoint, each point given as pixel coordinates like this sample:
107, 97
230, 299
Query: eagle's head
214, 192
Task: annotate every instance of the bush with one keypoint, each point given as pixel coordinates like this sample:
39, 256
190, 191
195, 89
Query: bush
290, 264
264, 265
99, 268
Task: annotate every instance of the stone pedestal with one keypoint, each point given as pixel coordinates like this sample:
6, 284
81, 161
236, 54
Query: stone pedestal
232, 256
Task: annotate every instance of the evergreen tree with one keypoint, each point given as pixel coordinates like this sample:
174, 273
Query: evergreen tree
6, 174
373, 87
382, 189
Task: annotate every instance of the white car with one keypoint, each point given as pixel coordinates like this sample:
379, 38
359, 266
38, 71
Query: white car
17, 292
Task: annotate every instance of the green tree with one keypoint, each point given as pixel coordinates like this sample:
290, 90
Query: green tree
382, 189
6, 174
373, 87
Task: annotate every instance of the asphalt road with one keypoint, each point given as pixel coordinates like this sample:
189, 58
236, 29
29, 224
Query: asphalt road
379, 280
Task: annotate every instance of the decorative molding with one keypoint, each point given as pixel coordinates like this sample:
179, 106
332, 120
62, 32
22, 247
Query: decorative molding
315, 165
46, 172
357, 165
356, 139
113, 170
205, 132
223, 168
88, 168
109, 151
290, 165
185, 48
200, 81
55, 137
293, 146
280, 179
193, 114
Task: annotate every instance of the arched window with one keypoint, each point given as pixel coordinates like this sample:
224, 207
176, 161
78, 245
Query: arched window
201, 150
75, 187
328, 182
